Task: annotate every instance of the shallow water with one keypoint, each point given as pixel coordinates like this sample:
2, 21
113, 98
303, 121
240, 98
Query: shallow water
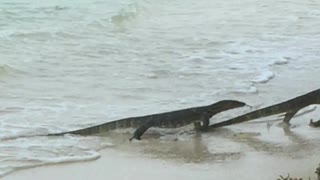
67, 65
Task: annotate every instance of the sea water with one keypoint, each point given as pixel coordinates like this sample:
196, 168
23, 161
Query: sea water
66, 65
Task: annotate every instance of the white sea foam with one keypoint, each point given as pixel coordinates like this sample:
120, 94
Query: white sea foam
6, 70
30, 152
264, 77
30, 162
245, 89
281, 61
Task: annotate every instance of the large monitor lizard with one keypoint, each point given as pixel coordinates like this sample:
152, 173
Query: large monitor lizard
172, 119
290, 108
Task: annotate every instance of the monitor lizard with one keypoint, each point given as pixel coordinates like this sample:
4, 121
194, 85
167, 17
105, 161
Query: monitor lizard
172, 119
289, 107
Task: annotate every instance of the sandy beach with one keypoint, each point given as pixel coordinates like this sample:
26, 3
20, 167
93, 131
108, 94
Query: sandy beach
247, 151
124, 166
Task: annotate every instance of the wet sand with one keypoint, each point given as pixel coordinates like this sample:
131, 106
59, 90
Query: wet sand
115, 165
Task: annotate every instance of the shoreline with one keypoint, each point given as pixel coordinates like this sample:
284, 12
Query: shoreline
254, 166
259, 159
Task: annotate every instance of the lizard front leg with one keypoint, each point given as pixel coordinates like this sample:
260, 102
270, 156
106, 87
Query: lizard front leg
141, 130
205, 119
289, 115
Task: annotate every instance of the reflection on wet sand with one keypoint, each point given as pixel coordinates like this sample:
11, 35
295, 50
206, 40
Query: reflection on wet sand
301, 145
249, 139
188, 147
297, 145
194, 147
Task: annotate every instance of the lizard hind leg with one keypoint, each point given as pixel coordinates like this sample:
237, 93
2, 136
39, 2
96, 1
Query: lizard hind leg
140, 131
288, 116
205, 119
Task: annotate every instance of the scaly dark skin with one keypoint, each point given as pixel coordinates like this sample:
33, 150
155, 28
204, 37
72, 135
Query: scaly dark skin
184, 117
290, 108
171, 119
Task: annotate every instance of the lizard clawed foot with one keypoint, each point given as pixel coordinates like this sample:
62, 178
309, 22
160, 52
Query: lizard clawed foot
135, 137
311, 123
286, 125
284, 178
318, 171
314, 123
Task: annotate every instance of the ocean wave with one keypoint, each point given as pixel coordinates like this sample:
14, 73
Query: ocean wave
264, 77
245, 89
282, 61
7, 70
126, 14
25, 163
35, 35
26, 153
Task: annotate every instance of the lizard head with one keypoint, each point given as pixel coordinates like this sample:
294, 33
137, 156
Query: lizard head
226, 104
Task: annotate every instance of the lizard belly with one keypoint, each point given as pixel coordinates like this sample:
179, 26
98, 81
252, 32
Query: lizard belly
176, 123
